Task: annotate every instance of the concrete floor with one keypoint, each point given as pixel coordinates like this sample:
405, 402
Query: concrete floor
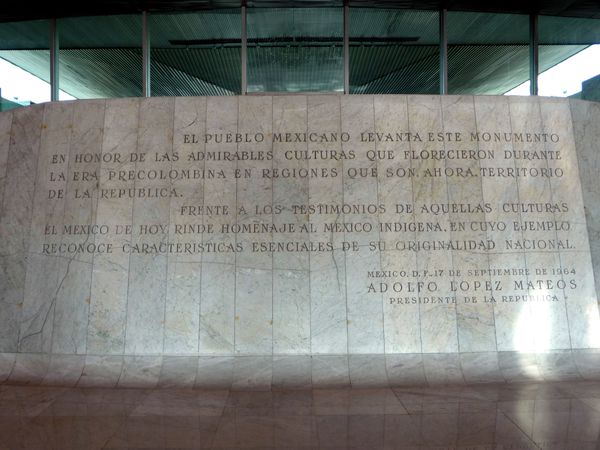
563, 415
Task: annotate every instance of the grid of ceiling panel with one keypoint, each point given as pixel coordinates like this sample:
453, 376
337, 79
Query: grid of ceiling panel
289, 50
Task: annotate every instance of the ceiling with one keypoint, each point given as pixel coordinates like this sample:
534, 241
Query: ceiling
39, 10
198, 53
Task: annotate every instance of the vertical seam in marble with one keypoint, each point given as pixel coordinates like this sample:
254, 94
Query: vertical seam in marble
347, 325
199, 340
581, 186
412, 194
582, 196
123, 369
527, 307
166, 265
2, 213
12, 366
310, 339
576, 140
56, 298
201, 266
456, 314
272, 253
58, 266
304, 268
94, 219
487, 253
169, 256
558, 251
235, 268
4, 178
57, 281
25, 257
5, 174
379, 231
133, 233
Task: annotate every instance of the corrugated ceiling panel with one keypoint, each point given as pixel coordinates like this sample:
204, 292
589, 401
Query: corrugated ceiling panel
101, 32
100, 73
564, 30
423, 25
217, 24
486, 28
295, 69
277, 22
486, 69
28, 11
36, 62
217, 66
34, 35
477, 69
169, 81
393, 70
550, 55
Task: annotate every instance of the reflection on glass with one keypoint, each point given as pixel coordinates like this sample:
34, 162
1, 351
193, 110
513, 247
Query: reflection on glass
394, 51
101, 57
295, 49
24, 47
196, 53
563, 38
488, 54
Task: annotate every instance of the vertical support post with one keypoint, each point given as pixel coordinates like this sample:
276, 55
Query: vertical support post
244, 50
146, 92
346, 48
54, 69
534, 55
443, 51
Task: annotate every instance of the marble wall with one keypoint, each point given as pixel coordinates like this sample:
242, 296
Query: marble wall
457, 233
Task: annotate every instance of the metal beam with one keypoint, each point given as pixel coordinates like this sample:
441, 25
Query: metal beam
346, 48
146, 91
534, 54
244, 50
443, 51
54, 61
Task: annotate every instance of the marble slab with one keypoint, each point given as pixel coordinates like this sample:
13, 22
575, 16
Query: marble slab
293, 372
299, 240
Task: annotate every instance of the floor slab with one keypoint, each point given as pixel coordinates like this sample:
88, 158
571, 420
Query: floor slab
561, 415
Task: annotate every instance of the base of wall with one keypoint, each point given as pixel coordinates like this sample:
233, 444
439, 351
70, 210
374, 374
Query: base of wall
298, 371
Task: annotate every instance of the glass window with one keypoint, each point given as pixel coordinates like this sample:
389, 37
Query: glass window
24, 63
295, 49
569, 57
394, 51
488, 54
101, 57
196, 53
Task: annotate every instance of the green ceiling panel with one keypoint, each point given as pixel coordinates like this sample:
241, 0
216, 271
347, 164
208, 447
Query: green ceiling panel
215, 25
101, 73
32, 35
218, 67
295, 22
36, 62
101, 32
293, 50
418, 27
473, 28
487, 69
295, 69
394, 69
169, 81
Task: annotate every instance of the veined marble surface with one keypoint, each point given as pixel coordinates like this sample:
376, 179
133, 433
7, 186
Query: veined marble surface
525, 416
456, 233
